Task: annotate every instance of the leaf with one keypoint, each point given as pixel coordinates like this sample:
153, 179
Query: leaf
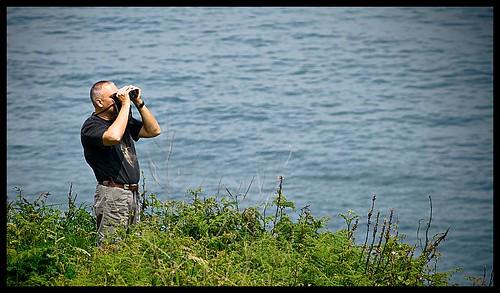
83, 251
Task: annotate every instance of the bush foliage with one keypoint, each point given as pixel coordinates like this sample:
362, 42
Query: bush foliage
207, 241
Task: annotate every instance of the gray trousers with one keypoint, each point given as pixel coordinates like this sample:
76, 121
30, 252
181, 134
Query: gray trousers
114, 206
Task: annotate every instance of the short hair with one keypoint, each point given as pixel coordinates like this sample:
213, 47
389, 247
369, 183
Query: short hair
96, 89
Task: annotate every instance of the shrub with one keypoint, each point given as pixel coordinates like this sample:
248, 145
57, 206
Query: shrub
209, 242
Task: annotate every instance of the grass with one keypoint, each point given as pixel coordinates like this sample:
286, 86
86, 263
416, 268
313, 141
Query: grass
207, 241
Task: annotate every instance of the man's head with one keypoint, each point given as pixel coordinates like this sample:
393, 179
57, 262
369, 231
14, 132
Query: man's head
101, 96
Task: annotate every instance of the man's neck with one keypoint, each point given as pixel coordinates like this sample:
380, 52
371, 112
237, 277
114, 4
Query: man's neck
104, 115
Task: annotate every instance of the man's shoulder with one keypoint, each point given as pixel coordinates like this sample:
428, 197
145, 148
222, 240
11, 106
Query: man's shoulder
88, 121
92, 120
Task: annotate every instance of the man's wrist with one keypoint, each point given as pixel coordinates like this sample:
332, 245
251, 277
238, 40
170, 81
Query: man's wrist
140, 105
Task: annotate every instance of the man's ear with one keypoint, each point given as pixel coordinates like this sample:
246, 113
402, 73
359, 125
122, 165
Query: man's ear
98, 102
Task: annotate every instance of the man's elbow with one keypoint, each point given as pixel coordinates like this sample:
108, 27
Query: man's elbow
109, 139
156, 132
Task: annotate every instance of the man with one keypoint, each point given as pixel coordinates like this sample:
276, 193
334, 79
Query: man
107, 138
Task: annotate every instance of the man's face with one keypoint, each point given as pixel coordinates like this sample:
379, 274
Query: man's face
106, 96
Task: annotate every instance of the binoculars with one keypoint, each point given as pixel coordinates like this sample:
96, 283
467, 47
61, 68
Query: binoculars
132, 95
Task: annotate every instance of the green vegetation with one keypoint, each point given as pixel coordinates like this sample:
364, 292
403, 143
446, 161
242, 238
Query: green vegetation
207, 241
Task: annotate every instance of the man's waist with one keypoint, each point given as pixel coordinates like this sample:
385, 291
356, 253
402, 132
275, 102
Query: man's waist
126, 186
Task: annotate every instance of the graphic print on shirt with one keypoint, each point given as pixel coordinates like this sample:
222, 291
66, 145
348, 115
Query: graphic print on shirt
127, 153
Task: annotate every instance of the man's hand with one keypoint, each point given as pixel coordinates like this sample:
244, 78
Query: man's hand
122, 94
138, 100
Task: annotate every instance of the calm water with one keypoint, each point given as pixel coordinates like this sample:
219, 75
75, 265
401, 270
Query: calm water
343, 102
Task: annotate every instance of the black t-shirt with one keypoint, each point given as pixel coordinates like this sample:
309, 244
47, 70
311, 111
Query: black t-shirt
116, 162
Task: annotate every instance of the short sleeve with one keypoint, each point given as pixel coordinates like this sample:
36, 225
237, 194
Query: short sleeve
92, 133
134, 127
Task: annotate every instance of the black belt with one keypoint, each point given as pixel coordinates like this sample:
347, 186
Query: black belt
131, 187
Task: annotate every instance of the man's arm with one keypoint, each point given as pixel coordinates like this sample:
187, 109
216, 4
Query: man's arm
150, 127
114, 133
